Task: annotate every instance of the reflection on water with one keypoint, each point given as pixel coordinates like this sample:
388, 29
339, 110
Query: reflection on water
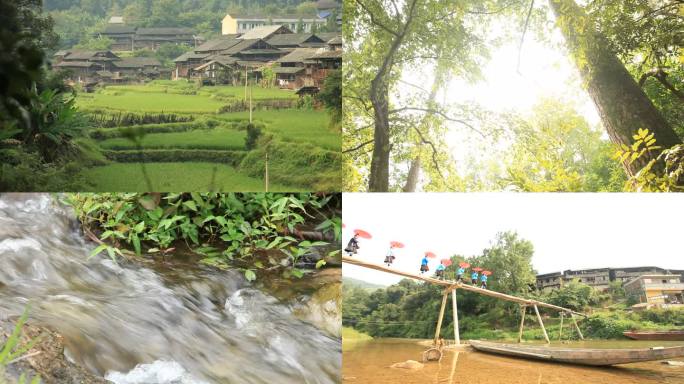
177, 324
369, 361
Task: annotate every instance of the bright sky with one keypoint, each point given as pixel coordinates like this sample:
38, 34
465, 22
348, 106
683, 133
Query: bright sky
568, 231
545, 72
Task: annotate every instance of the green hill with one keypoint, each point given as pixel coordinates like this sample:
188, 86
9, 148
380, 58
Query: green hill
351, 282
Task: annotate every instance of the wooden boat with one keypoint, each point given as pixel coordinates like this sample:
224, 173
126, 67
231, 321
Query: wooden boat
655, 335
582, 356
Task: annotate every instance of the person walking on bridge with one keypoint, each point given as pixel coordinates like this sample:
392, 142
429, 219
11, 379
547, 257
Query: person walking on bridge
459, 273
474, 277
483, 281
353, 245
424, 265
440, 271
389, 259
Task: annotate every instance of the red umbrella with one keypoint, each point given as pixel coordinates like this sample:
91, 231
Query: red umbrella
446, 262
396, 244
477, 269
486, 273
431, 255
463, 264
363, 234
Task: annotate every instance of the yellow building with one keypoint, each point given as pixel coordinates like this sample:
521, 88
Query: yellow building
657, 289
240, 24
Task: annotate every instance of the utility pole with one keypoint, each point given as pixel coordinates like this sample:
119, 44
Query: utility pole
266, 176
250, 104
245, 84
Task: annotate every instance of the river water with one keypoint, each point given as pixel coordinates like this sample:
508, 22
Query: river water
369, 362
168, 324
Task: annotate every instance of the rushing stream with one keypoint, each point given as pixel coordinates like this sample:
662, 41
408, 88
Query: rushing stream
165, 324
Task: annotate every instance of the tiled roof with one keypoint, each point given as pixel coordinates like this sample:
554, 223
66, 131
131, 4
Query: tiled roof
137, 62
293, 39
299, 55
262, 32
75, 64
219, 44
164, 31
190, 55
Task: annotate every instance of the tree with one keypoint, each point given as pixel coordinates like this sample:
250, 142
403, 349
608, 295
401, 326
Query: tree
267, 77
573, 295
331, 94
417, 34
24, 34
622, 104
307, 9
556, 150
98, 43
300, 26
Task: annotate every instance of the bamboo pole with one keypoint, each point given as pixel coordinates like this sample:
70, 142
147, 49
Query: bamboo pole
250, 104
457, 336
441, 316
459, 285
266, 176
523, 309
577, 327
541, 324
560, 329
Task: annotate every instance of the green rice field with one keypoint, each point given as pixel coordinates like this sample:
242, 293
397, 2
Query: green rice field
175, 177
219, 138
304, 147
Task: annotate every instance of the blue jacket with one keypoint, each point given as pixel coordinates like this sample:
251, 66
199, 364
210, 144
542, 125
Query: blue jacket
424, 261
461, 271
483, 278
474, 276
440, 267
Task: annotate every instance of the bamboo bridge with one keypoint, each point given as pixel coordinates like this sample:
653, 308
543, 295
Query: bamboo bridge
452, 286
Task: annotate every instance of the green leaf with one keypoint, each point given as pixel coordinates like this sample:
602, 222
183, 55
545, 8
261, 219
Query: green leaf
250, 275
320, 263
139, 227
274, 242
110, 251
136, 244
297, 273
97, 250
190, 205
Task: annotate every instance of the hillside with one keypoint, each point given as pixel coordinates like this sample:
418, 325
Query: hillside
77, 21
351, 282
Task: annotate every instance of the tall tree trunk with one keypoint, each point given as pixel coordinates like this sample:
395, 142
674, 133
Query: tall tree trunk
378, 180
413, 175
622, 104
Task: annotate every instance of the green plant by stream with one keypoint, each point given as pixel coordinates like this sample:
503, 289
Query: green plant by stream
13, 351
256, 232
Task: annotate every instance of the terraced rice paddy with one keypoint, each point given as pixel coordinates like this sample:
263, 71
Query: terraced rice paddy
210, 151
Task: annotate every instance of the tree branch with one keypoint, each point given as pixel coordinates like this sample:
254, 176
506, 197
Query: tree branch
522, 38
358, 146
434, 151
375, 20
660, 75
438, 112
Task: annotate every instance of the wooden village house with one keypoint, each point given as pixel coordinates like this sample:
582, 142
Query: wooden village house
88, 67
127, 38
298, 60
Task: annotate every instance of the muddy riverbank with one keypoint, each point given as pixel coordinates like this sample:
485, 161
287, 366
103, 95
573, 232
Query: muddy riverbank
370, 361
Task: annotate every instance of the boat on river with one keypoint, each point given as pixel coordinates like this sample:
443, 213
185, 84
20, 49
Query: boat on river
582, 356
655, 335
